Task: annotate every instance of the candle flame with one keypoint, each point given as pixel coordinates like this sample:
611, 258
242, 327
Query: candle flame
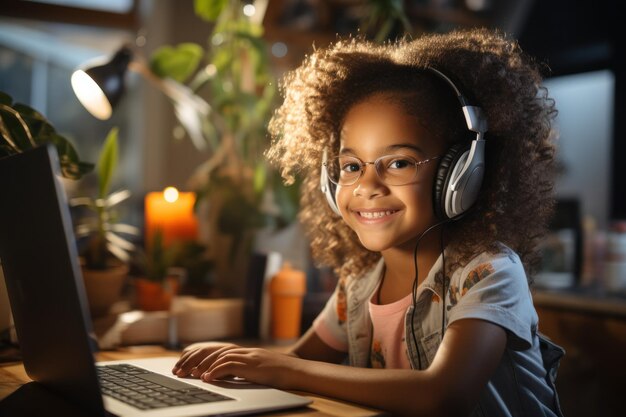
170, 194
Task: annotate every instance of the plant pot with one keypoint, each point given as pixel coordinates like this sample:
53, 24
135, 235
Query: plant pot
104, 287
155, 296
5, 309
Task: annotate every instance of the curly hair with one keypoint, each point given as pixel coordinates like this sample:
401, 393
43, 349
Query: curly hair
515, 201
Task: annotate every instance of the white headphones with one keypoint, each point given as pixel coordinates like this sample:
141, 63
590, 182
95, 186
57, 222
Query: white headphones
460, 170
327, 186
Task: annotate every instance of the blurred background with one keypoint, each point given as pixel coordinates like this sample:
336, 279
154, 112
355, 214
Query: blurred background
200, 82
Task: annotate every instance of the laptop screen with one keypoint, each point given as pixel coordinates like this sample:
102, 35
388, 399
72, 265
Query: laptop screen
40, 262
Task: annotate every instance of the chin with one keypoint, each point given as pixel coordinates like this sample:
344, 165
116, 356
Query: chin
374, 245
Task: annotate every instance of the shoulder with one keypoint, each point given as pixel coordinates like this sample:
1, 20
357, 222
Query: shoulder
488, 263
493, 287
500, 269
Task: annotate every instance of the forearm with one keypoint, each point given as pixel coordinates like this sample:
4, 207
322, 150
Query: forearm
401, 392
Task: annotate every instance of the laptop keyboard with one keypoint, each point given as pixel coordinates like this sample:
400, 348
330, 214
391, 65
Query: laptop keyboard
146, 390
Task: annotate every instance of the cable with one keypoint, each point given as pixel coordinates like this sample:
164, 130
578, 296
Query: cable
414, 290
443, 284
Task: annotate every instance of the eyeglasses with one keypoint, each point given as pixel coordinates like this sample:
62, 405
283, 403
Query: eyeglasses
391, 169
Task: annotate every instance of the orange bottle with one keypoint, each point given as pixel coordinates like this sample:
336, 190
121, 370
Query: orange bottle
287, 288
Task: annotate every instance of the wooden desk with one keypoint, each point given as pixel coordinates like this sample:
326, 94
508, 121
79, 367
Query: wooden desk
591, 326
13, 376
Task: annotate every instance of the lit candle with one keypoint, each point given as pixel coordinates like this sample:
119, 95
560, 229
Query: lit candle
170, 211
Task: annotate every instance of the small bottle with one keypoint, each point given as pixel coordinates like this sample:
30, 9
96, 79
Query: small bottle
615, 265
287, 289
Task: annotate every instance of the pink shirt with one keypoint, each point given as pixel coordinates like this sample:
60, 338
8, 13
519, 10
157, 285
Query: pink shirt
388, 341
388, 348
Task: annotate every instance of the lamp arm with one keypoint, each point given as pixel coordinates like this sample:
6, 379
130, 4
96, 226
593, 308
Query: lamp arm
261, 8
180, 94
166, 87
141, 68
5, 133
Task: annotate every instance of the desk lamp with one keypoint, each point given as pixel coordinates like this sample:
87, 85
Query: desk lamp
99, 84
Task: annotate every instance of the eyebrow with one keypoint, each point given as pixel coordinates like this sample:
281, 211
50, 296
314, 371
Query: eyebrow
389, 148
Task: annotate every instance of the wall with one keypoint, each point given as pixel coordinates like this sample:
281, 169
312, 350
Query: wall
585, 120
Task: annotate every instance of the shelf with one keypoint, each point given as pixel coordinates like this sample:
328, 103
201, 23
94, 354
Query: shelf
583, 300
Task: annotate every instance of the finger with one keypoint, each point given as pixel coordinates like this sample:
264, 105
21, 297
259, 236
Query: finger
225, 370
242, 360
181, 361
206, 363
195, 354
183, 358
195, 357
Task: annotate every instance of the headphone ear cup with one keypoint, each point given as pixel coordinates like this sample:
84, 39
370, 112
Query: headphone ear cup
442, 179
331, 197
329, 189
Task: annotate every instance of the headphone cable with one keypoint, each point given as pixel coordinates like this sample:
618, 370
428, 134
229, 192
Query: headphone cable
414, 290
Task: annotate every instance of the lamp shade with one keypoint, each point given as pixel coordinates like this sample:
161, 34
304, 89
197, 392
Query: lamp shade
99, 85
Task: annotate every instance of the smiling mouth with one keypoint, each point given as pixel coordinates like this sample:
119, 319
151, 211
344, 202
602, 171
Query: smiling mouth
376, 214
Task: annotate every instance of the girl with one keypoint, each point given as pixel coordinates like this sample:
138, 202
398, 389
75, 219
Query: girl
431, 226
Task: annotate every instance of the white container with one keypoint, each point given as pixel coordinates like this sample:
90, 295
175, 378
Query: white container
615, 265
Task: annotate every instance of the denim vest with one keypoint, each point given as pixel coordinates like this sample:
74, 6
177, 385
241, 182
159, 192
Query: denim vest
523, 384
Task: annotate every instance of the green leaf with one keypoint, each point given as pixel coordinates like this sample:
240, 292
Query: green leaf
177, 63
222, 59
15, 130
287, 198
209, 10
260, 178
107, 162
5, 99
256, 43
15, 136
40, 128
71, 165
155, 262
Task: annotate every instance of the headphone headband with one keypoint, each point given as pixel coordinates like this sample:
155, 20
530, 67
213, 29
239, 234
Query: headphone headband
474, 116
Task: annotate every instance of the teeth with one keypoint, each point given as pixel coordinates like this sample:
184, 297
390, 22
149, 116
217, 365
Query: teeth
376, 215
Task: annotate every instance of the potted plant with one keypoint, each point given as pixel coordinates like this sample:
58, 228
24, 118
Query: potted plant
233, 74
23, 128
164, 271
105, 253
157, 284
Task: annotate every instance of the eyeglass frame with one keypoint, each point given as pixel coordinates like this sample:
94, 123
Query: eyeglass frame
363, 164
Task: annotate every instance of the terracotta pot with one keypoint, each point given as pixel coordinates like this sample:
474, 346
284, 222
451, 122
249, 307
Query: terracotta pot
104, 287
5, 309
155, 296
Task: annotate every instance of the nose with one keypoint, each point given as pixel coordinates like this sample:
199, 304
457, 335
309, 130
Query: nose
369, 185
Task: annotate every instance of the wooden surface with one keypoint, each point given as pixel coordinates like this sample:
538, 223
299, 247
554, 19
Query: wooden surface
594, 301
13, 376
592, 330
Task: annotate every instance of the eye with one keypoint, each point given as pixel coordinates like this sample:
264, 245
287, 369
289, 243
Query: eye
399, 163
351, 166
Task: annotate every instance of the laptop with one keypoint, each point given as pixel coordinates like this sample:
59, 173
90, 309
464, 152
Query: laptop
51, 316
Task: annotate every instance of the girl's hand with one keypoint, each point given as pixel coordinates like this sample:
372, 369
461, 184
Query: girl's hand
196, 358
255, 365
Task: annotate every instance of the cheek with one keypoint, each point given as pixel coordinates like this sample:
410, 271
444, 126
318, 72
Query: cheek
342, 195
426, 186
420, 198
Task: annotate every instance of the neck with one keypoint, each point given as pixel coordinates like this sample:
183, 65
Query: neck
399, 264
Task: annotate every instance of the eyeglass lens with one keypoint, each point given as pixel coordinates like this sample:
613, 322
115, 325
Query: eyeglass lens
391, 169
